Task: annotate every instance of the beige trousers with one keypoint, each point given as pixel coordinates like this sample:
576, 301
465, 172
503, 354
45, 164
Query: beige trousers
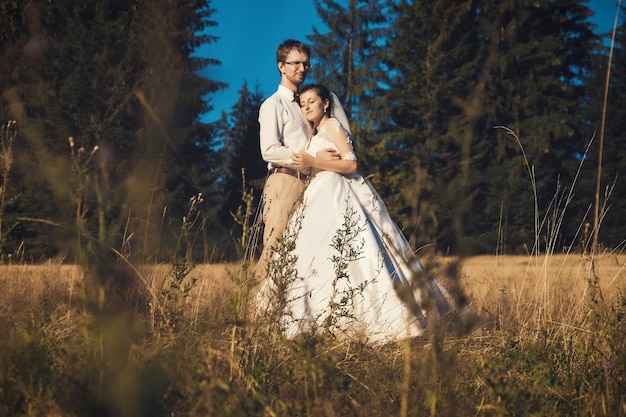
281, 194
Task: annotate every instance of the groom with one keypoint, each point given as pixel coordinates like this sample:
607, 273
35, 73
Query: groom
283, 131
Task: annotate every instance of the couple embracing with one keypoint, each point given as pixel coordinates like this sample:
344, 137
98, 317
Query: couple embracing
351, 271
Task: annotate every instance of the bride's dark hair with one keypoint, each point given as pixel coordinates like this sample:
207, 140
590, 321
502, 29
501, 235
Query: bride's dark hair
322, 92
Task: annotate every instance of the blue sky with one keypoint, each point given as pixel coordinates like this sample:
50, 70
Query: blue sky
249, 32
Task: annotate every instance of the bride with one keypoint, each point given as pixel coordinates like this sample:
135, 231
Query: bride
344, 268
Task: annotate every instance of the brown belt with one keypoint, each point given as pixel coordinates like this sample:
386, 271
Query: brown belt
289, 171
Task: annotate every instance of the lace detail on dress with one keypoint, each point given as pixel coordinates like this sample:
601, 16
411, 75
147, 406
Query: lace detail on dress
336, 125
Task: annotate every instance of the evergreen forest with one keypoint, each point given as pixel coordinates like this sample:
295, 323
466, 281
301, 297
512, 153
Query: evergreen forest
487, 127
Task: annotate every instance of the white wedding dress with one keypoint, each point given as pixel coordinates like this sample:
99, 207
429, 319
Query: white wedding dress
352, 266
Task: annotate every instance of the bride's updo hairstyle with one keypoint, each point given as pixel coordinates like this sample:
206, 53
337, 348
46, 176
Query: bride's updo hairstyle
322, 92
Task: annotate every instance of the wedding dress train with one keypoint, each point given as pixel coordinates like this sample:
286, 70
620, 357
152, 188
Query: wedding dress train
345, 268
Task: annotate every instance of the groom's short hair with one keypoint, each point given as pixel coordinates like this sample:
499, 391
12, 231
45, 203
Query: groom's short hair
289, 45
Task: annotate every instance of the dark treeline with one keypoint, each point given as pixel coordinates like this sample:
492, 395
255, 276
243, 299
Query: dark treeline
474, 117
119, 76
479, 122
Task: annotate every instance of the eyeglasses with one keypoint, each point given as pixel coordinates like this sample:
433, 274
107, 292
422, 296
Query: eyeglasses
305, 65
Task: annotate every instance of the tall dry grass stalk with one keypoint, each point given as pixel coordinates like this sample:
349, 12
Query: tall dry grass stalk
8, 133
596, 216
547, 229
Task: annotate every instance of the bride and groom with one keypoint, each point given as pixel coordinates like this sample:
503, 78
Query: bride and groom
333, 259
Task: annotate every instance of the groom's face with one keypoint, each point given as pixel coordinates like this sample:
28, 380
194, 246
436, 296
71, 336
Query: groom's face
295, 67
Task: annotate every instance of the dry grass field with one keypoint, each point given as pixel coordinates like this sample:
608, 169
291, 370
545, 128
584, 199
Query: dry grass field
556, 278
485, 279
551, 344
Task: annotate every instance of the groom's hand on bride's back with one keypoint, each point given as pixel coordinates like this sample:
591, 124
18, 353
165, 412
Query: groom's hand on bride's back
328, 153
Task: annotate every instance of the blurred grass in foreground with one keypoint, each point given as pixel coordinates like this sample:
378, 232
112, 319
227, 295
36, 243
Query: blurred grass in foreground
551, 349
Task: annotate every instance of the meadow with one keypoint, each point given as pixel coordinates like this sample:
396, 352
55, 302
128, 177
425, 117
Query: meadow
188, 344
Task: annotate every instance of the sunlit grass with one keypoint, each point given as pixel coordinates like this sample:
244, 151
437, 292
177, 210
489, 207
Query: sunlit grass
549, 350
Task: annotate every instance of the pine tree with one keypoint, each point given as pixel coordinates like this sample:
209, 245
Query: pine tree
346, 57
460, 68
538, 55
172, 132
432, 53
118, 75
242, 157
